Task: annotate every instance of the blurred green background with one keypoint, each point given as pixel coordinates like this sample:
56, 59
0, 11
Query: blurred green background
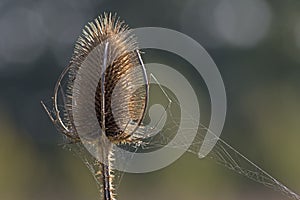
255, 44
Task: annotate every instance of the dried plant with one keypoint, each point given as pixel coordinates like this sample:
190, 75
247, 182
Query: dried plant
100, 100
105, 66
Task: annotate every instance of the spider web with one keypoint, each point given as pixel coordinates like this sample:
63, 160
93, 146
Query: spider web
158, 134
161, 133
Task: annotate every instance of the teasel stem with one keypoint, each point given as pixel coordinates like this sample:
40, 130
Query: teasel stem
105, 176
108, 187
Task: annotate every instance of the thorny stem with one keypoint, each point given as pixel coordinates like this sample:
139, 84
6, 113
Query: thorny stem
106, 182
105, 176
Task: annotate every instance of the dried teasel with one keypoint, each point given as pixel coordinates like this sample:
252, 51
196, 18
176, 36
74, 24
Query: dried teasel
105, 100
106, 94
